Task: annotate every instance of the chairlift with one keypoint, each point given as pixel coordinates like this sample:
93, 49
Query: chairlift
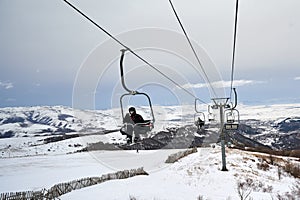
232, 119
211, 116
199, 120
232, 115
199, 117
129, 128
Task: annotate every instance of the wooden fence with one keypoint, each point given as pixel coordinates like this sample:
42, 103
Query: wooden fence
176, 156
63, 188
22, 195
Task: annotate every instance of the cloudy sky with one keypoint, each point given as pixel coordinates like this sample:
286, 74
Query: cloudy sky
45, 44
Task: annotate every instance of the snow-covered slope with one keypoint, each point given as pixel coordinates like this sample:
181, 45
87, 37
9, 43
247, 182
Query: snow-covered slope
195, 176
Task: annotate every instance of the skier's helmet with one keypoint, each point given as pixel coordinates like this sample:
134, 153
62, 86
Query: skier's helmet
132, 110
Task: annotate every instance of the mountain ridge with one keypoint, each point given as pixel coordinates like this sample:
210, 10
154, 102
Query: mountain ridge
282, 132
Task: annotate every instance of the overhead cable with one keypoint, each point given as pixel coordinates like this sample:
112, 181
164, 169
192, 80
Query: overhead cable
190, 43
130, 50
234, 46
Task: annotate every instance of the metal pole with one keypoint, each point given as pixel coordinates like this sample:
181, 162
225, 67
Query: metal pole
222, 105
222, 135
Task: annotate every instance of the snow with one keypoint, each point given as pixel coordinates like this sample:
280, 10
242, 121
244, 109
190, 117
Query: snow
197, 175
29, 164
41, 120
94, 120
37, 172
269, 112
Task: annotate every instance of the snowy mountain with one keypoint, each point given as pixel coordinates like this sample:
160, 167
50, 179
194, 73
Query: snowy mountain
276, 126
46, 120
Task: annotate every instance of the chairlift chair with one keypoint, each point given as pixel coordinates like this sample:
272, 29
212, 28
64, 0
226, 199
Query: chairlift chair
211, 116
137, 128
232, 119
199, 117
232, 115
129, 128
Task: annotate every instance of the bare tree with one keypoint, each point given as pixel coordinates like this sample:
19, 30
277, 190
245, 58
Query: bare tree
244, 190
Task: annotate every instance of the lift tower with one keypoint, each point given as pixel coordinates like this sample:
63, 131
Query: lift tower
221, 104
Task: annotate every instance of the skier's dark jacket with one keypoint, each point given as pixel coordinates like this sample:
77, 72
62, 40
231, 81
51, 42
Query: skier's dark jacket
136, 118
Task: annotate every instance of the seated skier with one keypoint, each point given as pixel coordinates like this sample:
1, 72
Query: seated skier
199, 123
130, 119
136, 118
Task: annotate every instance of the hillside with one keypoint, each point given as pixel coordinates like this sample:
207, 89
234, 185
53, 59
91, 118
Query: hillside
198, 176
58, 129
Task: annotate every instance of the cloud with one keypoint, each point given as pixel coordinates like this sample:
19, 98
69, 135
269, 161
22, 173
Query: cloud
297, 78
6, 85
11, 100
221, 84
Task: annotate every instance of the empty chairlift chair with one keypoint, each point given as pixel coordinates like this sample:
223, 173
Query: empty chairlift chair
232, 119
